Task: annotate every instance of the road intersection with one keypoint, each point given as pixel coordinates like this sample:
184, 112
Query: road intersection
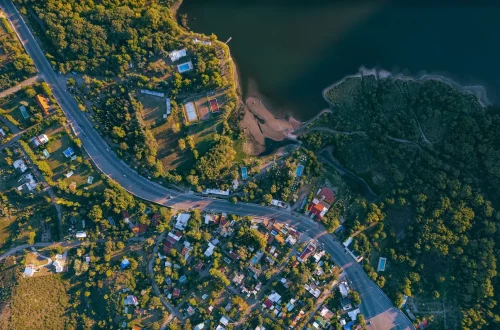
376, 306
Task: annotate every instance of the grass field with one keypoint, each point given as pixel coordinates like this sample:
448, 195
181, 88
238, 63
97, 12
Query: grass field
60, 164
11, 104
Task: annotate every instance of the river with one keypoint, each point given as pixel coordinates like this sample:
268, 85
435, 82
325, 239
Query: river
293, 49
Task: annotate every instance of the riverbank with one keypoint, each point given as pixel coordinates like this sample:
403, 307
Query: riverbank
259, 122
476, 90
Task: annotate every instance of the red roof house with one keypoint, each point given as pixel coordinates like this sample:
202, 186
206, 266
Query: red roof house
268, 303
321, 202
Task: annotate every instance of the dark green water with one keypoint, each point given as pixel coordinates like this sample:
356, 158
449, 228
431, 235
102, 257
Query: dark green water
294, 49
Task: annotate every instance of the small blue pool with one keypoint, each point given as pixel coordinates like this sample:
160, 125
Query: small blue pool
185, 67
244, 173
300, 170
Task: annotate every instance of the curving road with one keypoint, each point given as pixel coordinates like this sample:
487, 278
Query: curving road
376, 306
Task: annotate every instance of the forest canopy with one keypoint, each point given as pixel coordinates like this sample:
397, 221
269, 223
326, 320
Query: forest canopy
100, 37
433, 154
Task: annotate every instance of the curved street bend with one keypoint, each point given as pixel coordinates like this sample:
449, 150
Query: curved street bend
376, 306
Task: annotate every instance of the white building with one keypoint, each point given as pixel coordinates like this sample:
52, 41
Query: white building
182, 221
81, 234
19, 164
29, 183
278, 203
153, 93
210, 250
217, 192
39, 140
177, 54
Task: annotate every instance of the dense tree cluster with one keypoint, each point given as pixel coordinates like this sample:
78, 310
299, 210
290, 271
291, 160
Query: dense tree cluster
433, 153
15, 64
105, 37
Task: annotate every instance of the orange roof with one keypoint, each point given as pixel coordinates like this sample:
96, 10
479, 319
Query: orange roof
43, 102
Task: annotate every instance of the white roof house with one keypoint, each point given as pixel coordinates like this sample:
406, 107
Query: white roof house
177, 54
344, 289
30, 183
354, 314
209, 218
199, 326
278, 203
168, 105
19, 164
59, 266
224, 320
182, 221
216, 192
29, 270
210, 250
131, 300
39, 140
153, 93
274, 297
81, 234
206, 43
2, 133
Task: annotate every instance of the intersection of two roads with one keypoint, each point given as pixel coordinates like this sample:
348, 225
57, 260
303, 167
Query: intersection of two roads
376, 306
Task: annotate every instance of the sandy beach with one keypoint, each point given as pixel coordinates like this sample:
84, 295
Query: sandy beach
260, 122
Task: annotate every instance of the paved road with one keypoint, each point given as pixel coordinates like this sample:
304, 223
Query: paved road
376, 306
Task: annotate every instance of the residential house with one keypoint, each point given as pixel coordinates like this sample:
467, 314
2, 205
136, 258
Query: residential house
182, 221
177, 54
20, 165
321, 203
326, 313
29, 270
308, 251
2, 134
210, 250
124, 264
238, 279
131, 300
39, 140
43, 103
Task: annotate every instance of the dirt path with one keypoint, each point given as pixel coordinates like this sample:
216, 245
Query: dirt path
405, 141
173, 311
16, 88
329, 130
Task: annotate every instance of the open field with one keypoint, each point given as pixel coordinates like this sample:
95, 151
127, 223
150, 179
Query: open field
11, 103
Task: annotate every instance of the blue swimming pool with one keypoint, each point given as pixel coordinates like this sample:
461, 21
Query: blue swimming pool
244, 173
300, 170
185, 67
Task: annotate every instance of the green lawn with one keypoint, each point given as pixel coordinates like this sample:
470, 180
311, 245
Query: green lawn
11, 104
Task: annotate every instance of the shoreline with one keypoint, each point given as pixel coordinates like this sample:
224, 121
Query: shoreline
259, 122
477, 90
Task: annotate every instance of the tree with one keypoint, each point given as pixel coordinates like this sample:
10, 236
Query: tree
220, 280
354, 297
31, 238
155, 303
268, 198
95, 214
182, 144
